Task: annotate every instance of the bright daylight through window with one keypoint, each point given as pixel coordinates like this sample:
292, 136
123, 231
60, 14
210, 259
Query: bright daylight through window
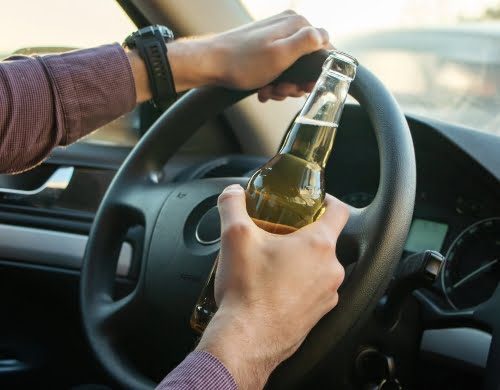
441, 58
52, 26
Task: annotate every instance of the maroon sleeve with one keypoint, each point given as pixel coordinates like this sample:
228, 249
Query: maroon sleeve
56, 99
199, 371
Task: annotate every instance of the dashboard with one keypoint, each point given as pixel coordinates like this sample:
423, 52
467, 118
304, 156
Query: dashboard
472, 268
472, 272
45, 225
457, 208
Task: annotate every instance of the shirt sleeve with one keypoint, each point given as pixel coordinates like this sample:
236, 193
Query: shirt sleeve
56, 99
199, 370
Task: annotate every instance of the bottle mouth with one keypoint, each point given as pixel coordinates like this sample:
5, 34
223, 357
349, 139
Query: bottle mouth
341, 64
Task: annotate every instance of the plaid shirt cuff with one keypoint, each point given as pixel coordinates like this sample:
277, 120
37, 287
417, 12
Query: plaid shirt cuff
199, 370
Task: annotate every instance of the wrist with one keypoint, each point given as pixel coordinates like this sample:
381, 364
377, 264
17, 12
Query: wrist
140, 73
193, 62
233, 341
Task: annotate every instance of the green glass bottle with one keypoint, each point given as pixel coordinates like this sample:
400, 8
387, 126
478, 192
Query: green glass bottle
288, 192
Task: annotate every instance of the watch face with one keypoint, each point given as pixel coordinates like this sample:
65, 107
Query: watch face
166, 33
148, 31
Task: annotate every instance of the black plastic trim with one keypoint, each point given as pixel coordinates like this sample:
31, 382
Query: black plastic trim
133, 13
89, 155
53, 223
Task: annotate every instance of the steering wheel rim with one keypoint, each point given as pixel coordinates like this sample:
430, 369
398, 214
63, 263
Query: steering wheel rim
374, 235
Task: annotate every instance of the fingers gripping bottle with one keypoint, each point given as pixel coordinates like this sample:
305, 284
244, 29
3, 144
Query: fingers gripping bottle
288, 192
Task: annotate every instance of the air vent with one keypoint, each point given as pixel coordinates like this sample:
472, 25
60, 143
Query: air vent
227, 170
230, 166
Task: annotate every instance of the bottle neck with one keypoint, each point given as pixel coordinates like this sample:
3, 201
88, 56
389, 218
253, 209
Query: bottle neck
313, 132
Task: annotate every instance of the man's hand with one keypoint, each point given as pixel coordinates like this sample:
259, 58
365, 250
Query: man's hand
253, 55
248, 57
271, 289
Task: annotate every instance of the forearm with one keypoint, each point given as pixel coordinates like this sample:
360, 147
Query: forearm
199, 371
232, 341
219, 362
57, 99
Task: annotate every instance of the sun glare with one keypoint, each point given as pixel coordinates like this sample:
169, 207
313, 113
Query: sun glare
61, 23
342, 18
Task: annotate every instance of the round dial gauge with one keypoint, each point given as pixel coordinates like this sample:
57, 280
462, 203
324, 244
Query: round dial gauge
472, 269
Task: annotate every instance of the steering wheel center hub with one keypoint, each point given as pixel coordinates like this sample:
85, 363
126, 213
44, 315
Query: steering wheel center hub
183, 247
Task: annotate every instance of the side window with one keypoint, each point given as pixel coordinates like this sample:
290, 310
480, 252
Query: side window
51, 26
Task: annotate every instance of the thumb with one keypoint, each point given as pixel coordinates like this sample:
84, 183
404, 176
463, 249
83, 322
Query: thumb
232, 207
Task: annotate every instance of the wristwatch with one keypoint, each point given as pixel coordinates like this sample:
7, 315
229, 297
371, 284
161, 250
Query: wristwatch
150, 43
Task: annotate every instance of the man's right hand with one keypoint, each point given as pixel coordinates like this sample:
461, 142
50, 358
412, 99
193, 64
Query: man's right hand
271, 289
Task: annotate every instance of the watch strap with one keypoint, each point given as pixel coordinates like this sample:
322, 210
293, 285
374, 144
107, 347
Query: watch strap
151, 46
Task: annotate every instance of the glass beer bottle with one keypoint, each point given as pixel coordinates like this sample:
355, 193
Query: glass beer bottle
288, 191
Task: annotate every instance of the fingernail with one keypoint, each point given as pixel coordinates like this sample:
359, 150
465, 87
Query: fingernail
233, 188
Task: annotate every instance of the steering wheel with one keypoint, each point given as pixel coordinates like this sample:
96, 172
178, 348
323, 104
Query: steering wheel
148, 330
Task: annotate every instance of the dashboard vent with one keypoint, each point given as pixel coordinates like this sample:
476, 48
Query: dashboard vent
227, 170
230, 166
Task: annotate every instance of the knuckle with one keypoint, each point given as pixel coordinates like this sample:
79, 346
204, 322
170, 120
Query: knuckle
310, 34
323, 31
237, 230
334, 300
270, 251
320, 243
299, 21
339, 273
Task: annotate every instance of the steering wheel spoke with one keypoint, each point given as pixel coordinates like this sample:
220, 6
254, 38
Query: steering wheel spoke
141, 202
122, 314
350, 242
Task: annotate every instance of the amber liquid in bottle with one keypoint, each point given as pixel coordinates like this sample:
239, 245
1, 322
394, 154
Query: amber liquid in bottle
288, 192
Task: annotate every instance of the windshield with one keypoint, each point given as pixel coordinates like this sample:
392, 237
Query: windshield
440, 58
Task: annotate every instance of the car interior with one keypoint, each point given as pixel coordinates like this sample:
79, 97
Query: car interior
118, 214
